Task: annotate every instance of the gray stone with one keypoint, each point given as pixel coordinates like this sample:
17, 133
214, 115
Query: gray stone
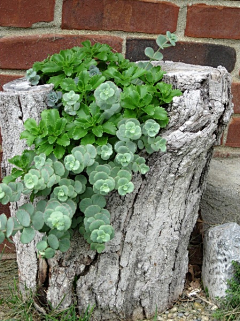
221, 247
221, 200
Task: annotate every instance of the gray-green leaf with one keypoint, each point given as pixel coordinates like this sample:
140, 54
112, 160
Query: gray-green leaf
27, 235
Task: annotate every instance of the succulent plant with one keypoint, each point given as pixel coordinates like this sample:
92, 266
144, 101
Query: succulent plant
94, 70
5, 193
32, 77
105, 151
106, 95
54, 99
71, 103
103, 110
150, 128
129, 129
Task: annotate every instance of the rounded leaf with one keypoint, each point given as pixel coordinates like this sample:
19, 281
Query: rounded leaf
64, 245
92, 210
149, 52
27, 235
49, 253
10, 227
38, 220
53, 241
41, 246
23, 217
2, 237
3, 221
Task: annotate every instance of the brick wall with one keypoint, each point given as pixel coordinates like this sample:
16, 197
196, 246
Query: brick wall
208, 33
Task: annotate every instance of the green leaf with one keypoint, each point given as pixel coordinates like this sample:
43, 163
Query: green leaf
3, 221
88, 139
68, 84
23, 217
51, 67
78, 133
37, 220
63, 140
10, 227
130, 113
27, 235
100, 141
28, 136
56, 80
28, 207
109, 128
98, 247
160, 113
41, 246
59, 151
2, 237
53, 241
49, 253
158, 56
31, 126
161, 41
149, 52
45, 148
64, 245
52, 139
98, 131
12, 178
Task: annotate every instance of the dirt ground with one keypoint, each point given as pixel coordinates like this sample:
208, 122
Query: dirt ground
8, 274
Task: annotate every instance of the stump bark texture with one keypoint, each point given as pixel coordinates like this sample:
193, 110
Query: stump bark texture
144, 266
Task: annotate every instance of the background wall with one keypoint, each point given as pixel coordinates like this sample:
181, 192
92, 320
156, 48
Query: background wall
208, 33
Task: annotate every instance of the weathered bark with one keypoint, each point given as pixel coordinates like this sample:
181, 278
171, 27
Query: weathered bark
144, 266
18, 102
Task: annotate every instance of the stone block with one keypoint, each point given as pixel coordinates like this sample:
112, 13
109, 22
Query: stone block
221, 247
221, 200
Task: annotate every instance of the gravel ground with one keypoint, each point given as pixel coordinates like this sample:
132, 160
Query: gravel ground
196, 308
192, 306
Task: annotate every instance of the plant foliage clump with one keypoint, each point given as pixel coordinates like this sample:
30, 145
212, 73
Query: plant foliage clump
104, 110
229, 306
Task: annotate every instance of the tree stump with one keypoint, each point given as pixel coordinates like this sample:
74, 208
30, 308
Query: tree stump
144, 266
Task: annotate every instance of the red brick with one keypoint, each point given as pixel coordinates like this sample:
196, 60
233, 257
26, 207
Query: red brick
233, 136
236, 96
213, 22
22, 13
6, 78
22, 52
205, 54
126, 15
